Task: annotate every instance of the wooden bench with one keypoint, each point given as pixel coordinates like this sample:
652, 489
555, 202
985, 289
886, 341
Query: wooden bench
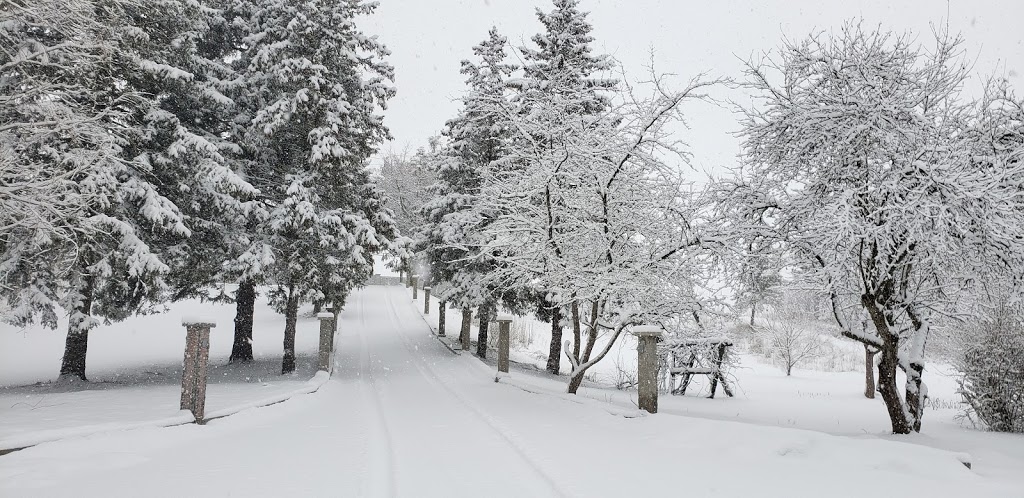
687, 358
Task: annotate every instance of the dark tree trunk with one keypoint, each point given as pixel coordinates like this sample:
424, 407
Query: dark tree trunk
76, 345
290, 317
887, 367
890, 393
869, 372
245, 305
575, 381
915, 402
481, 337
575, 310
753, 309
467, 322
592, 338
555, 350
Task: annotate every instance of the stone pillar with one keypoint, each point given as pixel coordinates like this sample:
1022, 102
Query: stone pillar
193, 371
504, 327
426, 300
441, 308
647, 337
414, 283
326, 340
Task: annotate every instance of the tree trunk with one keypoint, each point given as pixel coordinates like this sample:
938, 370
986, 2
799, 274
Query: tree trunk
753, 309
575, 381
914, 396
290, 317
789, 369
575, 310
592, 338
890, 394
77, 343
245, 305
555, 350
467, 322
481, 337
869, 372
887, 367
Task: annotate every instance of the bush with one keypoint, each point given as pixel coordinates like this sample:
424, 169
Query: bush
789, 342
993, 372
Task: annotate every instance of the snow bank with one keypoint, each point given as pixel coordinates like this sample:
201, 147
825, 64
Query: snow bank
313, 385
33, 438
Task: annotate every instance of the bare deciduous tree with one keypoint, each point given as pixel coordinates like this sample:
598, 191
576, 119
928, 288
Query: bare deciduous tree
791, 342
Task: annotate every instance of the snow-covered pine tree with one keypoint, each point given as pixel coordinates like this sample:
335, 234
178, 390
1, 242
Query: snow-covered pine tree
130, 227
193, 155
474, 143
312, 88
56, 127
860, 166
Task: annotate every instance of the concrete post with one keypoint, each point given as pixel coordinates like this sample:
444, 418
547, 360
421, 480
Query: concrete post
326, 340
647, 337
193, 371
414, 283
441, 308
426, 300
504, 327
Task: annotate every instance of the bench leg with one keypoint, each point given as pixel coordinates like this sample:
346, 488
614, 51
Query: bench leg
686, 383
714, 385
718, 372
725, 386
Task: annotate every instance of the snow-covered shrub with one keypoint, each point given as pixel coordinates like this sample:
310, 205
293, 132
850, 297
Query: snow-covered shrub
993, 372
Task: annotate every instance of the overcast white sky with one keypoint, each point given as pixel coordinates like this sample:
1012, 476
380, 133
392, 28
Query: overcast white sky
428, 38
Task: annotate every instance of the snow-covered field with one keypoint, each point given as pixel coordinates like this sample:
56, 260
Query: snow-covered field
404, 416
134, 369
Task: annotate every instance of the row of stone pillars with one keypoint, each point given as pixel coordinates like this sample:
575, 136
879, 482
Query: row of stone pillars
647, 337
197, 355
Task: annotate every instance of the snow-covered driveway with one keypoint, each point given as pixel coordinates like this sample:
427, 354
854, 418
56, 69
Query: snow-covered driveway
403, 416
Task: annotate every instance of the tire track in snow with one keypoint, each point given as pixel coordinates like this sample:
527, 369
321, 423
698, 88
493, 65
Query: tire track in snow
472, 407
382, 475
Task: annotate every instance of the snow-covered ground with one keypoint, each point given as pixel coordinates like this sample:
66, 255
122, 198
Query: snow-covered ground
404, 416
134, 369
821, 401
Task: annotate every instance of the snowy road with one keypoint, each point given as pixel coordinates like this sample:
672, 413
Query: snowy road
403, 416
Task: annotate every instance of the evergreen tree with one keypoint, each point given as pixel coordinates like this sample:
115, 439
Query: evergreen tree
160, 181
56, 128
475, 142
313, 85
563, 62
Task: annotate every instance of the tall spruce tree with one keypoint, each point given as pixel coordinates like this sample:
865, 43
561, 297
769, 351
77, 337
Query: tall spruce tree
161, 179
474, 143
56, 128
313, 86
